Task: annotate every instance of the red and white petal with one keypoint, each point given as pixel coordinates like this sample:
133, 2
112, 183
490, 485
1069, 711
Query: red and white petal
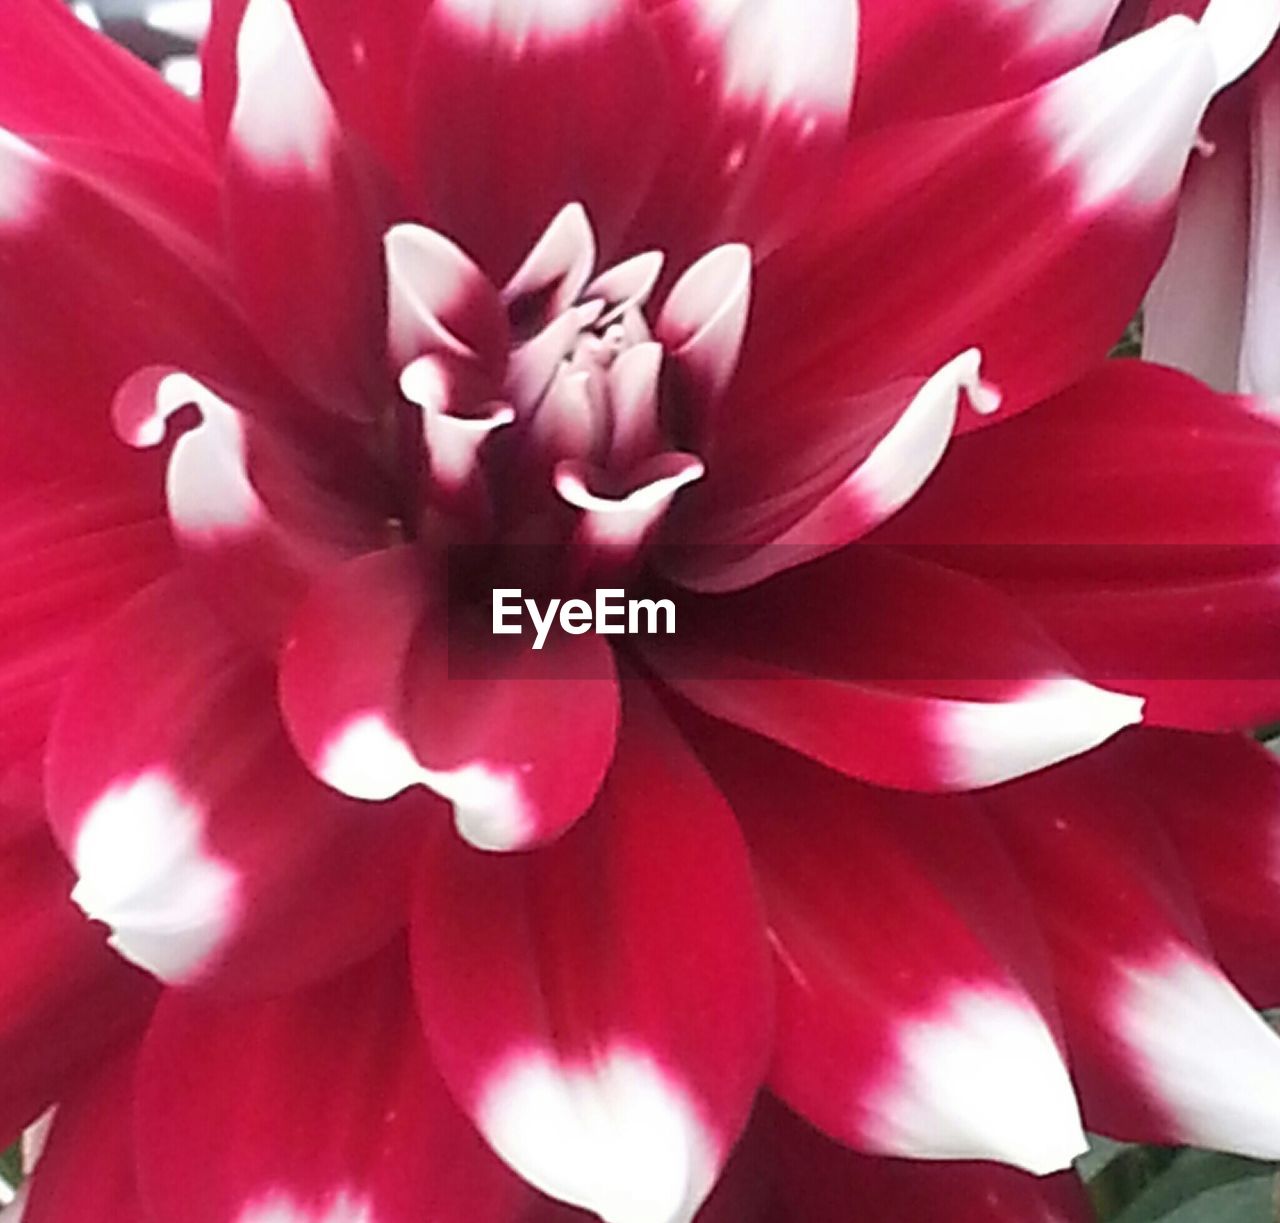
611, 1049
760, 91
439, 302
1240, 31
65, 1000
294, 201
517, 739
1136, 517
862, 463
915, 1011
702, 325
557, 269
252, 562
564, 103
938, 56
1094, 158
1163, 1047
86, 1171
197, 835
347, 1119
847, 661
1218, 797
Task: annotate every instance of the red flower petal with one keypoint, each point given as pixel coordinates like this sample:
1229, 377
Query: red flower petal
197, 834
937, 57
294, 201
1163, 1048
564, 102
1093, 159
762, 94
318, 1106
1218, 797
915, 1011
383, 688
611, 1046
892, 670
1135, 516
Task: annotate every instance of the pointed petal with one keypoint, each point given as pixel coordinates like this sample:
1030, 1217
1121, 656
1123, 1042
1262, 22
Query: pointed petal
1135, 517
517, 739
196, 834
1259, 369
374, 1136
1094, 159
1163, 1047
293, 197
702, 325
842, 661
910, 995
439, 300
612, 1046
564, 103
864, 465
559, 265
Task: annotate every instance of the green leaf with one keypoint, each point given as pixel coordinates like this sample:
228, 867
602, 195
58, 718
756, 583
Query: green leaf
1205, 1187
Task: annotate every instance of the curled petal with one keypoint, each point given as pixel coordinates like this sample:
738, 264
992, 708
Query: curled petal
851, 493
196, 834
558, 267
703, 322
439, 299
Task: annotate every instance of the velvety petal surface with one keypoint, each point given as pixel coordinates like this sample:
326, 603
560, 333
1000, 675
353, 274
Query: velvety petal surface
611, 1048
317, 1107
196, 833
1044, 217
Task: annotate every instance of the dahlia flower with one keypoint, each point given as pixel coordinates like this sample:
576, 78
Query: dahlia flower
930, 834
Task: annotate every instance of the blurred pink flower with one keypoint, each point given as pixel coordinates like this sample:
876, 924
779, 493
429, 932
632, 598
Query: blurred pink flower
562, 294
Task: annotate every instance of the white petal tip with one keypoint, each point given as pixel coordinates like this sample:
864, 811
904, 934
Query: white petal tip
1053, 720
980, 1078
1210, 1061
615, 1136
